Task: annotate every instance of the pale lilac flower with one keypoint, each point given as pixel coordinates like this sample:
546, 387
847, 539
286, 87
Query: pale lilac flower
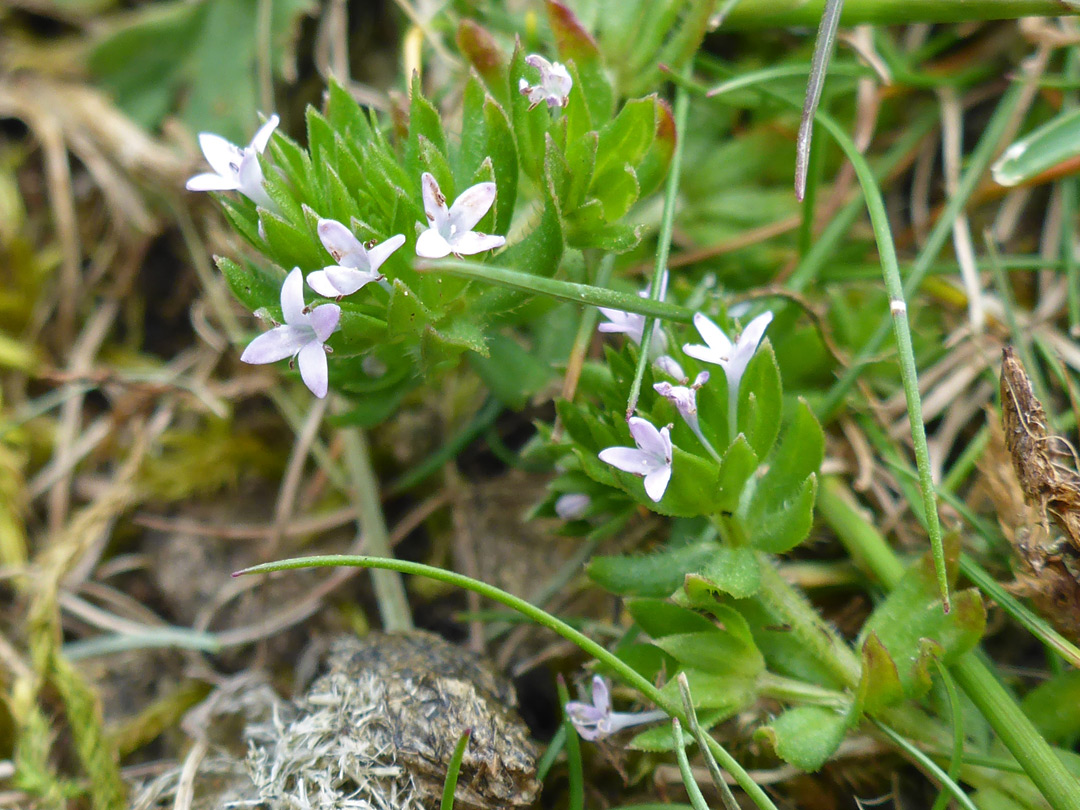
572, 505
596, 720
235, 169
650, 459
356, 265
303, 335
554, 86
732, 357
684, 398
670, 366
451, 231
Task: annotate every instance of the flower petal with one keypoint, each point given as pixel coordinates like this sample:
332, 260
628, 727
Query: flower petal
313, 367
629, 459
277, 344
250, 181
470, 207
431, 245
750, 339
223, 156
320, 282
538, 62
262, 137
656, 482
340, 243
466, 244
381, 252
292, 298
648, 438
670, 366
324, 319
211, 182
713, 335
434, 204
601, 698
705, 354
347, 280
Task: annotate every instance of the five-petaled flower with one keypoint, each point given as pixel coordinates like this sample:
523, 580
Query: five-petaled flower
451, 231
650, 459
235, 169
302, 336
554, 86
356, 265
596, 720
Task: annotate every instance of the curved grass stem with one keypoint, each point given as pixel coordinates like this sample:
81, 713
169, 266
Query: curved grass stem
628, 674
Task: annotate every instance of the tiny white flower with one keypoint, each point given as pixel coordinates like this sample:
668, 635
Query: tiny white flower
356, 265
670, 366
235, 169
302, 336
684, 398
572, 505
554, 86
650, 459
451, 231
732, 357
596, 720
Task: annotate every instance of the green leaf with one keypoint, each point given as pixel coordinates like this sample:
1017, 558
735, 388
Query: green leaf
510, 372
197, 59
805, 736
716, 651
424, 121
800, 453
761, 401
659, 573
777, 530
654, 166
406, 314
289, 245
539, 253
253, 286
576, 45
659, 617
1051, 144
660, 738
481, 50
625, 139
617, 191
736, 467
912, 626
879, 685
345, 115
711, 691
734, 571
580, 161
587, 228
357, 333
1054, 707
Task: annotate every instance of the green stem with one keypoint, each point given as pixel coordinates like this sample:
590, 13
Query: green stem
628, 674
663, 245
947, 782
977, 164
757, 14
389, 588
560, 290
1014, 729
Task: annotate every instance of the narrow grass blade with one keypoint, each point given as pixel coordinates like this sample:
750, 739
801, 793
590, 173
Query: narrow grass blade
819, 68
452, 771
